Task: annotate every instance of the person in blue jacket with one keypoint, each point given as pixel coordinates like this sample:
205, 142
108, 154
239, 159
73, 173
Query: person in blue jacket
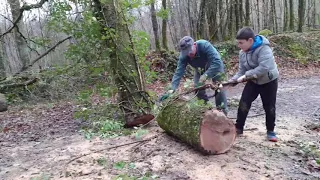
256, 61
207, 64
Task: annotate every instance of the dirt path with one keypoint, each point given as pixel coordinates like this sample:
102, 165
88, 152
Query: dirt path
37, 143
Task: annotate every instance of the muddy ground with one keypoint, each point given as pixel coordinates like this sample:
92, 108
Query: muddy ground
39, 142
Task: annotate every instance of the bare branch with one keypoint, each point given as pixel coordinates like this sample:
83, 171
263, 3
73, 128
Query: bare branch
14, 85
25, 7
42, 55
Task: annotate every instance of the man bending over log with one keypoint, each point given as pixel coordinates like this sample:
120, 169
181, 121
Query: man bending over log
207, 64
256, 60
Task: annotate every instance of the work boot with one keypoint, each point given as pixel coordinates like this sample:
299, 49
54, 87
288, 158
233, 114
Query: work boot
271, 136
239, 131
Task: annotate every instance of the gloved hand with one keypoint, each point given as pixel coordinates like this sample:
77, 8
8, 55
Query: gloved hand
166, 95
203, 78
241, 79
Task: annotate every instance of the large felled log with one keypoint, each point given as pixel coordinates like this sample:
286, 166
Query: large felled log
208, 130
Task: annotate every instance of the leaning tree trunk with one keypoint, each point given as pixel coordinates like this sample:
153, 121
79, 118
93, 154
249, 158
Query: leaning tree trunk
208, 130
126, 70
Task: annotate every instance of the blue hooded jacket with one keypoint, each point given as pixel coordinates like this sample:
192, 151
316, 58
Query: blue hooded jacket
258, 62
207, 60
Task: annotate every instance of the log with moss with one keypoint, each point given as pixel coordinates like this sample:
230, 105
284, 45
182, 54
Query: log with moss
201, 126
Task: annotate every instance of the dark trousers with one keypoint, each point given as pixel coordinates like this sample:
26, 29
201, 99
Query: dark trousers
268, 94
220, 99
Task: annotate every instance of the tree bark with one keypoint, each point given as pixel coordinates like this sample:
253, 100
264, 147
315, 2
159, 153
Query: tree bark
2, 64
237, 14
241, 14
201, 20
285, 16
164, 27
208, 131
275, 18
20, 42
291, 23
155, 26
247, 20
314, 13
230, 19
211, 11
126, 70
258, 16
301, 10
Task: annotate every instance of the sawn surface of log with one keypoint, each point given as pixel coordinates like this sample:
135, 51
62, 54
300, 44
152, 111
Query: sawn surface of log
208, 130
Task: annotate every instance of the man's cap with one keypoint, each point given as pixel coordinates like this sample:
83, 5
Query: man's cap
185, 45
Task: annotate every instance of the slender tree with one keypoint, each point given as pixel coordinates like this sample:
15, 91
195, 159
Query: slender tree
301, 12
247, 17
164, 26
155, 25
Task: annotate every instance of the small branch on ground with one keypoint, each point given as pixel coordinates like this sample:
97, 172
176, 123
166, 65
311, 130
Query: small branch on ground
112, 147
251, 129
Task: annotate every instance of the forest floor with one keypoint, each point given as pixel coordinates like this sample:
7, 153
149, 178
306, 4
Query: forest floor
42, 142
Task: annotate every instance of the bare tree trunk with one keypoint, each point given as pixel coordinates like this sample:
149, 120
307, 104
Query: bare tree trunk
286, 16
2, 67
271, 18
155, 26
164, 27
20, 41
183, 29
237, 14
275, 20
258, 9
241, 14
247, 7
291, 23
172, 23
221, 20
211, 10
230, 19
266, 14
193, 28
301, 10
314, 19
201, 20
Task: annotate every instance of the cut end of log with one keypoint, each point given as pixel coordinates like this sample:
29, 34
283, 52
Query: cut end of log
217, 132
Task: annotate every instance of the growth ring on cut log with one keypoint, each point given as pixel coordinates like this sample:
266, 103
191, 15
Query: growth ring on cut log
208, 130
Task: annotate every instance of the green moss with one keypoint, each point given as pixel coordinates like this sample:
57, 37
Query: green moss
265, 32
298, 51
182, 119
